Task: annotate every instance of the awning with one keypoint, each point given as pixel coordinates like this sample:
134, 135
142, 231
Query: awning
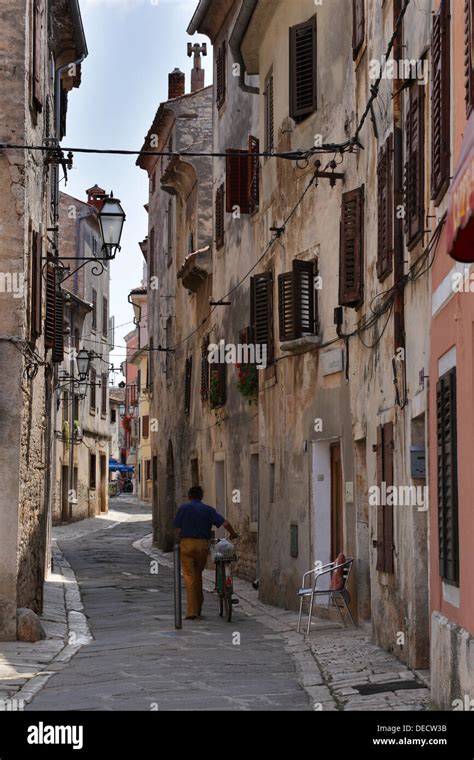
460, 223
115, 466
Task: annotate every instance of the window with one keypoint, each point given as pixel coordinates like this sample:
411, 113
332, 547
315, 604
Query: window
205, 369
145, 426
187, 384
440, 103
384, 451
254, 167
54, 320
261, 311
147, 469
237, 180
448, 530
139, 382
385, 209
113, 416
105, 316
94, 309
75, 411
151, 253
218, 384
36, 286
103, 388
351, 248
37, 79
358, 26
303, 69
220, 75
469, 54
268, 116
93, 400
414, 166
92, 471
219, 216
297, 304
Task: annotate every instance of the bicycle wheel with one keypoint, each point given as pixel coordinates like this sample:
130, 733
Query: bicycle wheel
228, 606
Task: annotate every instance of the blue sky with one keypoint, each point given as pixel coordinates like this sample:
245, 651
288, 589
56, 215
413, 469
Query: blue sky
133, 45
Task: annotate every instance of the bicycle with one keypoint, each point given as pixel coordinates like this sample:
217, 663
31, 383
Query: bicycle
224, 583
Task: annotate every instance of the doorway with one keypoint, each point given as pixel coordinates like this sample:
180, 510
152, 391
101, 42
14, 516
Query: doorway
103, 483
219, 475
337, 505
154, 506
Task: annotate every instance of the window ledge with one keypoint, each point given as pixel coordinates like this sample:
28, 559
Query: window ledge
302, 345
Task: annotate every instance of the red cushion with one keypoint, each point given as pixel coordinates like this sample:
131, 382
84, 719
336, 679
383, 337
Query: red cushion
337, 577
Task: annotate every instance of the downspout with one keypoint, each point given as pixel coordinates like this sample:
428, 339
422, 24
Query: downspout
235, 42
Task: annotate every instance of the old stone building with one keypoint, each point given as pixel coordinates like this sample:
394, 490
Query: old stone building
42, 44
141, 360
87, 299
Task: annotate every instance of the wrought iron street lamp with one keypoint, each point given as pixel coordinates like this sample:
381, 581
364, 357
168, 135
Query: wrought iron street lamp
83, 361
111, 221
122, 408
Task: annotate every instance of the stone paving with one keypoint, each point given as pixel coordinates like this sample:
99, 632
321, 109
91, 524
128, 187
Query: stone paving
112, 644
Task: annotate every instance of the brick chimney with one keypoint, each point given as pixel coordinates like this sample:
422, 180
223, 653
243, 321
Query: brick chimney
197, 73
175, 84
96, 196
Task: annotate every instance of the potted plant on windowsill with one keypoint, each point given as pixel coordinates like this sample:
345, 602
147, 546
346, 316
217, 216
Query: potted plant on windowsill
247, 381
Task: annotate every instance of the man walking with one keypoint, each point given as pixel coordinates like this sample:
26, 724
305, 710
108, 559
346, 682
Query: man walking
193, 522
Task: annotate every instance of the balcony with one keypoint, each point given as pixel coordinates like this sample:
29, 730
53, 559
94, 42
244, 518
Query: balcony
196, 268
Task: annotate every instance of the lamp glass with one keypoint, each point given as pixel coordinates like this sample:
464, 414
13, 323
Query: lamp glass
83, 361
111, 219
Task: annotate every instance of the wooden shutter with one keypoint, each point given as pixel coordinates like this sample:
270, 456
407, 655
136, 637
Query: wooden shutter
103, 388
94, 309
269, 117
351, 248
261, 300
219, 373
469, 53
385, 210
237, 180
146, 426
385, 527
303, 69
36, 286
414, 166
187, 384
303, 298
220, 75
253, 174
50, 306
440, 103
358, 26
205, 369
93, 376
58, 347
447, 477
285, 306
105, 316
38, 17
219, 216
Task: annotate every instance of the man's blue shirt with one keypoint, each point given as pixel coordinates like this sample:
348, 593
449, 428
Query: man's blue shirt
196, 519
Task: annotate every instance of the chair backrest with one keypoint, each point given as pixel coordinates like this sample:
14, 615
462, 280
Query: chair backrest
346, 571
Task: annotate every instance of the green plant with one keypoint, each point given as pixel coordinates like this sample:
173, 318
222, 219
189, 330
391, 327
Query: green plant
247, 381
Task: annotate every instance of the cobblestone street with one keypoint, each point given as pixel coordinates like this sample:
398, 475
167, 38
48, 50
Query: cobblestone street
114, 645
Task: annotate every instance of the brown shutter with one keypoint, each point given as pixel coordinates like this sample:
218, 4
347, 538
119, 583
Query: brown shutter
469, 53
253, 174
269, 117
94, 309
440, 103
220, 75
388, 509
380, 508
351, 248
414, 166
303, 69
385, 209
261, 291
448, 529
358, 26
187, 384
58, 347
219, 216
50, 306
205, 369
38, 16
36, 286
237, 180
303, 298
103, 388
93, 376
218, 372
105, 316
146, 426
285, 306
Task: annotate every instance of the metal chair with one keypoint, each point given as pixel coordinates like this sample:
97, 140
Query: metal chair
333, 595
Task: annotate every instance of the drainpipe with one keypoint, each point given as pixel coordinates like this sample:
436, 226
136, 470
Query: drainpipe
235, 41
398, 254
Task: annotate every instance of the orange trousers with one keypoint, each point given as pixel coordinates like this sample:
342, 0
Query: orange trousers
193, 561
